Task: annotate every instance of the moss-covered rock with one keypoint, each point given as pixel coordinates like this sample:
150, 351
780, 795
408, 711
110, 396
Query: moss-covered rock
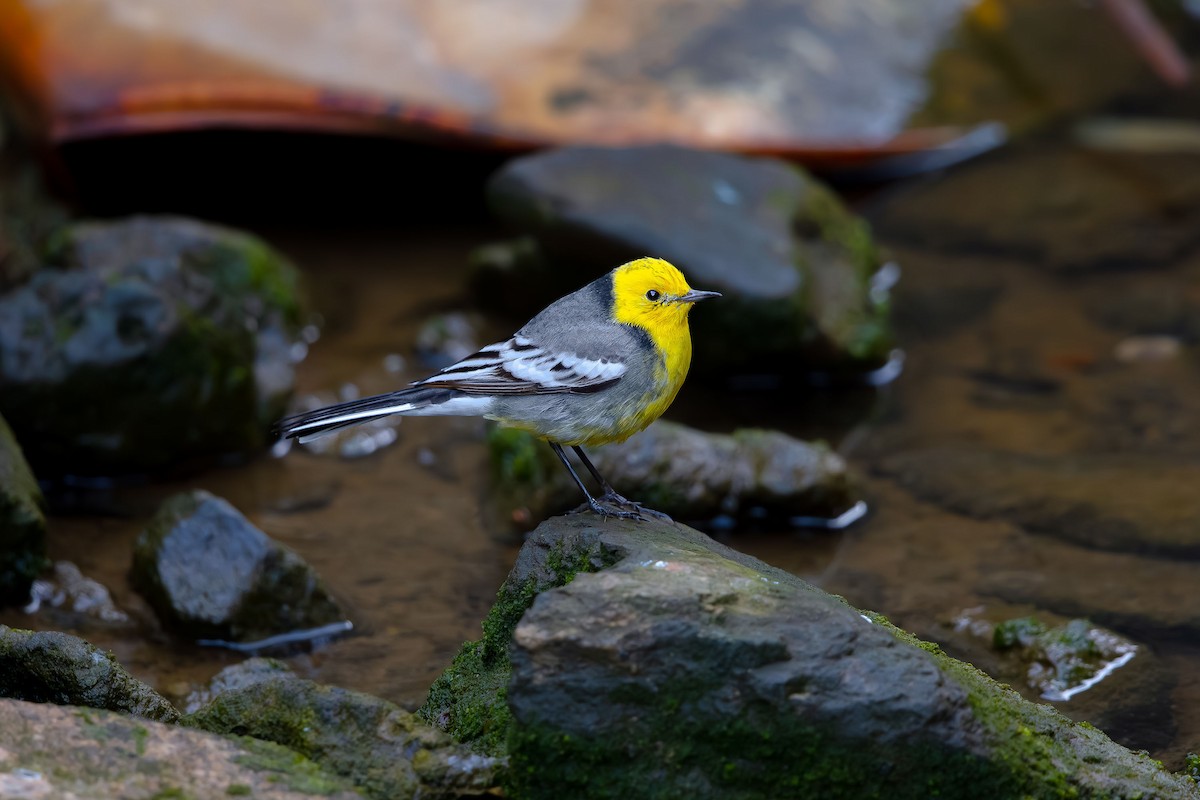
22, 523
52, 667
53, 751
793, 264
142, 345
682, 472
384, 750
469, 699
209, 573
682, 668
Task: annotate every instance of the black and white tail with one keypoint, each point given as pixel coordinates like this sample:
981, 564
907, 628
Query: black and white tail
417, 401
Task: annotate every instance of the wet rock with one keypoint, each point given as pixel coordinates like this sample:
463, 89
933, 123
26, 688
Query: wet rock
22, 523
139, 346
1127, 503
1087, 672
53, 751
794, 265
684, 473
1064, 209
469, 699
73, 598
209, 573
386, 751
682, 667
237, 676
1062, 660
52, 667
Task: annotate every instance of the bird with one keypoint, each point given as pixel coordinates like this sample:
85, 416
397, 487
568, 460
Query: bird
593, 367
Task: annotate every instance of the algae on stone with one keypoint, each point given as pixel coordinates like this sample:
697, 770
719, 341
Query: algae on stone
469, 699
53, 667
53, 751
385, 751
682, 668
138, 346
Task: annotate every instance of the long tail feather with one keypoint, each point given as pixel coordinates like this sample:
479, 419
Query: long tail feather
331, 418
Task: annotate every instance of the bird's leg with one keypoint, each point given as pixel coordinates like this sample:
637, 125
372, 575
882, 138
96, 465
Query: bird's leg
610, 494
602, 510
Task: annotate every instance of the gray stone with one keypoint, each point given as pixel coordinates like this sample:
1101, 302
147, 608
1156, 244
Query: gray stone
686, 669
137, 348
22, 522
1122, 502
53, 751
384, 750
209, 573
53, 667
794, 265
683, 472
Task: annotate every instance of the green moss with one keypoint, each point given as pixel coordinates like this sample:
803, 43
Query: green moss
753, 755
22, 523
470, 698
287, 768
140, 735
238, 790
516, 456
169, 793
1014, 632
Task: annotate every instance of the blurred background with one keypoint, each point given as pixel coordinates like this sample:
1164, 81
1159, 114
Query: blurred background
958, 241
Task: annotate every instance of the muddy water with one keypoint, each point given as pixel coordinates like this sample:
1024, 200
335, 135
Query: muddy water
1004, 354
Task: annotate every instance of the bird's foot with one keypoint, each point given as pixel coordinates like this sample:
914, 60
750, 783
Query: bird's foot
612, 499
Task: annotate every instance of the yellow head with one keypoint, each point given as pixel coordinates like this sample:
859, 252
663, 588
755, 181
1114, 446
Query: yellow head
651, 294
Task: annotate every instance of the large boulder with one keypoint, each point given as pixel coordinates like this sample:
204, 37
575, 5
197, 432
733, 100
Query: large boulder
795, 266
54, 751
147, 342
53, 667
385, 751
22, 523
679, 667
209, 573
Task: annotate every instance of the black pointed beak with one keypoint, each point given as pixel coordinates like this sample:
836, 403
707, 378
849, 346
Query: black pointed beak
695, 296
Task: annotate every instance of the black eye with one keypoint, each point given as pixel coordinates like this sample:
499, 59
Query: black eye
652, 295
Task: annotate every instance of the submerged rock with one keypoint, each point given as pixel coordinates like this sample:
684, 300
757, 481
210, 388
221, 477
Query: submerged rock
209, 573
52, 667
1126, 503
1087, 672
1062, 660
684, 473
72, 598
1063, 209
386, 751
794, 265
22, 523
684, 668
139, 347
53, 751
